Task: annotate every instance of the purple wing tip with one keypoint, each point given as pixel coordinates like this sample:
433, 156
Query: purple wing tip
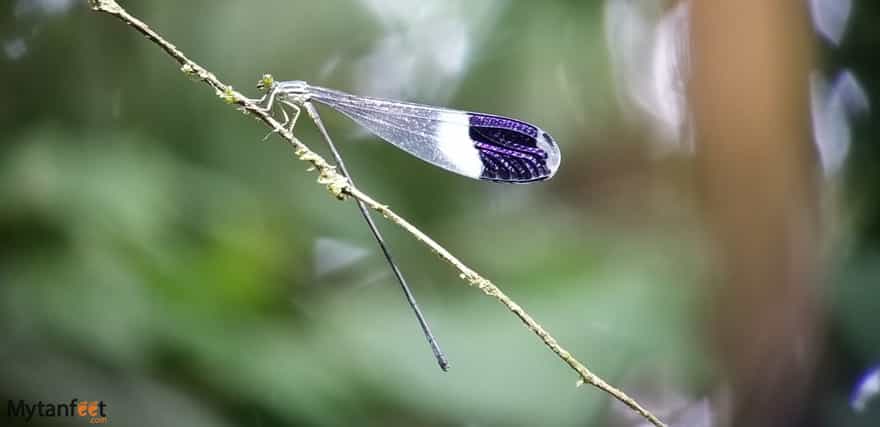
512, 150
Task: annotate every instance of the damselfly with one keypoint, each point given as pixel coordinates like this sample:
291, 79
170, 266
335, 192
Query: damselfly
476, 145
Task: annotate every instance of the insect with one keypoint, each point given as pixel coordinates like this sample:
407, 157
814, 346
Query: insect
476, 145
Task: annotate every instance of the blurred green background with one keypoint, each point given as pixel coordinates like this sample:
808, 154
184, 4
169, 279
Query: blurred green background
158, 256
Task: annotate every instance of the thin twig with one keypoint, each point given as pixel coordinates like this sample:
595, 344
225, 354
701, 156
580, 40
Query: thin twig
341, 188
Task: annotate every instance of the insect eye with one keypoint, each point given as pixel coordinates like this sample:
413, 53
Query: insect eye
266, 82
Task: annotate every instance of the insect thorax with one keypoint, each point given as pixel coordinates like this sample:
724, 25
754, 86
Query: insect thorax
296, 91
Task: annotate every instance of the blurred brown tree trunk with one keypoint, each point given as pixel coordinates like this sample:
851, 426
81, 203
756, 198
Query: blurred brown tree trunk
760, 191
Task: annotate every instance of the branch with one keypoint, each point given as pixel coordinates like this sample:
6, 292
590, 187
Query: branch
342, 188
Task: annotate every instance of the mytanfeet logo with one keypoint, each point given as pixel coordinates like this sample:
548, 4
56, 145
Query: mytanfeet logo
93, 411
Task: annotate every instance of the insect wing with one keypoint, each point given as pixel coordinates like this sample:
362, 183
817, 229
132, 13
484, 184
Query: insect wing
476, 145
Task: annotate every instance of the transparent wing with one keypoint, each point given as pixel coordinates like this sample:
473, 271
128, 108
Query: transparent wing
471, 144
